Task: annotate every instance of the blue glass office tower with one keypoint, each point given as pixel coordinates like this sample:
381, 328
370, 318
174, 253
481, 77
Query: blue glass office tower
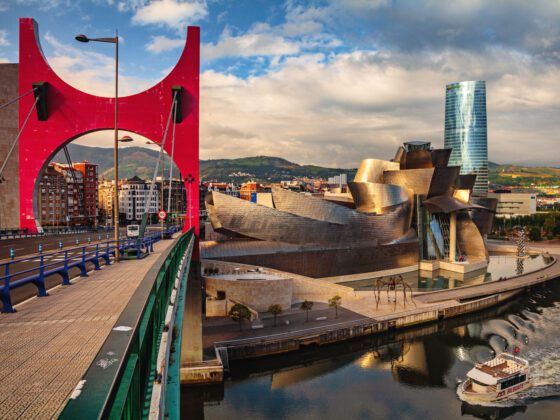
466, 131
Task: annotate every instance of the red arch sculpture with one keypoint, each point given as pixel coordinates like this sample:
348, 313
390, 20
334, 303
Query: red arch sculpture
72, 113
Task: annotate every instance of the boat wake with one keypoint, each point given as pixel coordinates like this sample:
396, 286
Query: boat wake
536, 334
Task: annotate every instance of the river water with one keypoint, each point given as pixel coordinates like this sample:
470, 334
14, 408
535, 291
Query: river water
411, 374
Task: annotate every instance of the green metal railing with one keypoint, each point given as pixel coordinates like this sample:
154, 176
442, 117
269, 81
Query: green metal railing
118, 384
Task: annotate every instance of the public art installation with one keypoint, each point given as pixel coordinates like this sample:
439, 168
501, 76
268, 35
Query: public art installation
69, 113
412, 207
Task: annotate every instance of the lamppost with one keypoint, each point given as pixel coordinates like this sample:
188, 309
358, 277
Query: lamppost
190, 179
115, 40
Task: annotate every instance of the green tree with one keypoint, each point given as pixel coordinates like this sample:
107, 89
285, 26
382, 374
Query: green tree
306, 306
275, 310
335, 302
535, 234
239, 313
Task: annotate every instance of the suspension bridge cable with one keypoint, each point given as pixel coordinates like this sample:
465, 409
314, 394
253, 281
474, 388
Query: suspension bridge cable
160, 157
73, 175
12, 147
172, 156
17, 99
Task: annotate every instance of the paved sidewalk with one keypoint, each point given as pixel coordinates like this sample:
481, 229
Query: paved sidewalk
47, 346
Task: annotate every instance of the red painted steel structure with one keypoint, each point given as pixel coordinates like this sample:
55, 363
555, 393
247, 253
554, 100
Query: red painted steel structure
72, 113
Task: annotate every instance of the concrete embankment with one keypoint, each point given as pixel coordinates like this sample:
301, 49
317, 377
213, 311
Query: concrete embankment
431, 307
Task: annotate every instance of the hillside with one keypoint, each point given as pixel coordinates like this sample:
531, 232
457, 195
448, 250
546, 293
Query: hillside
263, 168
141, 161
508, 175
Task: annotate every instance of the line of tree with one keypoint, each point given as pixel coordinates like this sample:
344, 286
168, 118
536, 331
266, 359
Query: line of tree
539, 226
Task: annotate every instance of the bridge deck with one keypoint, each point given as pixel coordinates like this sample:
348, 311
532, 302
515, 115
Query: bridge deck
47, 345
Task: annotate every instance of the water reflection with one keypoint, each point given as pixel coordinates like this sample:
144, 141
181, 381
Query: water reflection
407, 374
500, 265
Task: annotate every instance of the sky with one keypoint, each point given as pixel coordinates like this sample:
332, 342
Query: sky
326, 82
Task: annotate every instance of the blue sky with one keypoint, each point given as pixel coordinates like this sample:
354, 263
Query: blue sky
327, 82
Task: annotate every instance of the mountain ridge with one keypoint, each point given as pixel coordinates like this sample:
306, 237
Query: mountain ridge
141, 161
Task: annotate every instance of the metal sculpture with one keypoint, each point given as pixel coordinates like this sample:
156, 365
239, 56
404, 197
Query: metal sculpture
520, 238
392, 285
72, 113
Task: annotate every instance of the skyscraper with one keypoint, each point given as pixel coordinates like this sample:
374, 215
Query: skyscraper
466, 130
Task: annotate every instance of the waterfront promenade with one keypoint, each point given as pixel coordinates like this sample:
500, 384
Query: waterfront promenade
49, 343
359, 309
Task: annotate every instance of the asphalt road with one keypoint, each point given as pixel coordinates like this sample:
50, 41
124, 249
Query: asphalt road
28, 247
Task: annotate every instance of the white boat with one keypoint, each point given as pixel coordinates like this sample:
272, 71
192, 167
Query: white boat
496, 379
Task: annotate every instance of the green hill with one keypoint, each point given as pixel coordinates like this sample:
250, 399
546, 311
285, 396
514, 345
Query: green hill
141, 162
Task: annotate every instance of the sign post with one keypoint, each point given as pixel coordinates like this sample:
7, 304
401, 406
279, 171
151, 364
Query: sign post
162, 214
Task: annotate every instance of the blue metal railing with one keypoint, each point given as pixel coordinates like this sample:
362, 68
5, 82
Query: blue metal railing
60, 262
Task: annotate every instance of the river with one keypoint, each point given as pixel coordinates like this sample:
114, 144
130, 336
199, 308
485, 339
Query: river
411, 374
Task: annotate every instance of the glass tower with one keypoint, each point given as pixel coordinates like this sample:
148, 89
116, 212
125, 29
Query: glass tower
466, 131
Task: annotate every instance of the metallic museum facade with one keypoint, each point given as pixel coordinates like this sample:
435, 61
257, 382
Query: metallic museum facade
412, 207
466, 130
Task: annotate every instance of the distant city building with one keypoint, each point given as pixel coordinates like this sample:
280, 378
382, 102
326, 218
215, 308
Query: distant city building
53, 198
75, 184
249, 190
105, 196
133, 198
223, 187
178, 195
338, 181
466, 130
511, 204
90, 190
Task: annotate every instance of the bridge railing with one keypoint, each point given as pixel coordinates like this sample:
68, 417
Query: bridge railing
36, 268
123, 388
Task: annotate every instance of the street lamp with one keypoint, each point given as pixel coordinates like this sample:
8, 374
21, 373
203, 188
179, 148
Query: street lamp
115, 40
190, 179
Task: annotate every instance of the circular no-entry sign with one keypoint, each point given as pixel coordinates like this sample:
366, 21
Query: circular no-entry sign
162, 214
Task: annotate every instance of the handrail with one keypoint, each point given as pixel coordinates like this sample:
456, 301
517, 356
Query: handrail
76, 256
123, 388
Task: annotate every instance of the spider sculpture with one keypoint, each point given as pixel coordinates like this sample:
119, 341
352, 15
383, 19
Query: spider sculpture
392, 285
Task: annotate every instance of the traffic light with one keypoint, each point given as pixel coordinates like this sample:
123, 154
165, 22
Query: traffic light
178, 114
40, 90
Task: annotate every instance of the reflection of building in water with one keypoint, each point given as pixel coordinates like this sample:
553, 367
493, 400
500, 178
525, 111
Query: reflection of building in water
422, 362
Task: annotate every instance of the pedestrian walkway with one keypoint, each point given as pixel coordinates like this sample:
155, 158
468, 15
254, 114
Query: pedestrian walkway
47, 346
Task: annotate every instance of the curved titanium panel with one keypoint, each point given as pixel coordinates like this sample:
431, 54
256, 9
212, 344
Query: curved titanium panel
466, 182
417, 159
378, 198
228, 214
469, 238
371, 170
440, 157
418, 180
447, 204
484, 219
443, 181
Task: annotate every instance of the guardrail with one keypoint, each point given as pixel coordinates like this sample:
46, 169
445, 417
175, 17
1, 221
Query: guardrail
123, 389
25, 233
59, 263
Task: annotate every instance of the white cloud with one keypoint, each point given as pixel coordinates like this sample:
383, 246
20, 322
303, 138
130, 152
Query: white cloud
4, 38
250, 44
4, 60
364, 104
162, 43
91, 71
174, 14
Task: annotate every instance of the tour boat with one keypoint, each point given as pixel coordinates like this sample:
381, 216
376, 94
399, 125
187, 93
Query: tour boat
496, 379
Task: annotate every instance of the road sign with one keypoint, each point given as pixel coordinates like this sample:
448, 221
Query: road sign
162, 214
